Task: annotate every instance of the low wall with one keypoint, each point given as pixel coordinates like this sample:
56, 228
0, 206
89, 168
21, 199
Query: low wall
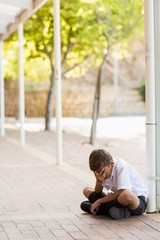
77, 101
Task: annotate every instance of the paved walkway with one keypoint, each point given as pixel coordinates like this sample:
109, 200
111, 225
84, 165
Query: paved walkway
40, 200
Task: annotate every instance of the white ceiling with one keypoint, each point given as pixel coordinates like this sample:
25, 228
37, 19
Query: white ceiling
13, 12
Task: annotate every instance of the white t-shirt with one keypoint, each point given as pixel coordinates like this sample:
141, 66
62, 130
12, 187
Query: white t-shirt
124, 176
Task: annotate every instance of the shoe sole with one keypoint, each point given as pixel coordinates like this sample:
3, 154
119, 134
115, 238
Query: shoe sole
119, 213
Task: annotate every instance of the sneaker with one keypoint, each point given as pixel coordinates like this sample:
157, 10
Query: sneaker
86, 206
118, 213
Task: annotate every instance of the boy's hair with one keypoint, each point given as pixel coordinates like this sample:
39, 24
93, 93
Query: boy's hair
98, 158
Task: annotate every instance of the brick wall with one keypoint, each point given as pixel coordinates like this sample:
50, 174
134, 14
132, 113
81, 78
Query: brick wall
77, 100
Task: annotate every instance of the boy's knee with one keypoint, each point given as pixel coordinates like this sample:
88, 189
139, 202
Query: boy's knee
127, 197
87, 191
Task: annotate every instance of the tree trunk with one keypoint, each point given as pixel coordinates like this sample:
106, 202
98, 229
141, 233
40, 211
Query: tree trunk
96, 107
97, 102
49, 105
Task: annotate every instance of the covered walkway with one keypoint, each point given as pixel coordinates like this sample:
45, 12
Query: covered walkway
40, 200
23, 11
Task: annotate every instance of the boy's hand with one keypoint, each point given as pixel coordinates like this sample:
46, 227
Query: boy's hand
94, 207
100, 176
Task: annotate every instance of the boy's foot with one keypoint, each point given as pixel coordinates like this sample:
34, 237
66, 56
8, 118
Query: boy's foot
86, 206
118, 213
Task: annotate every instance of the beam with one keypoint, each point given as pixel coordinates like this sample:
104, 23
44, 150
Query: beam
22, 17
38, 4
7, 18
2, 28
18, 3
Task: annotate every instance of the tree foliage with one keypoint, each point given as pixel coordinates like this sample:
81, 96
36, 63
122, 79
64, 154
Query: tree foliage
89, 28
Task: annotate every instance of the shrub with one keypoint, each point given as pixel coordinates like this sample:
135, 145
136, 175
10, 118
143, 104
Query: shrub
141, 89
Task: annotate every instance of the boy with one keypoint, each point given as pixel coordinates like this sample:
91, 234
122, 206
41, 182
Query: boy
129, 193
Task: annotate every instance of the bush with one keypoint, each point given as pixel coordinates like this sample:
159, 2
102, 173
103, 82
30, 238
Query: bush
141, 89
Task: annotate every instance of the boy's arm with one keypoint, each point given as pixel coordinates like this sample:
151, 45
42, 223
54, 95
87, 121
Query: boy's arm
110, 197
99, 179
98, 186
95, 206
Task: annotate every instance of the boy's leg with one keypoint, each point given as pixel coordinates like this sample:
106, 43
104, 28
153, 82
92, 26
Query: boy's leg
87, 191
126, 204
92, 197
141, 208
137, 205
129, 199
134, 206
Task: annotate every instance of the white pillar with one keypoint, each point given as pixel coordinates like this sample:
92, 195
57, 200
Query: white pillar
157, 77
58, 88
21, 85
116, 83
2, 102
150, 104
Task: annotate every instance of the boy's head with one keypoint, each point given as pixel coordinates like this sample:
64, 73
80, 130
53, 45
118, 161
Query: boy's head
99, 158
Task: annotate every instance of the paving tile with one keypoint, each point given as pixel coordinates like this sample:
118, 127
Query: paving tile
70, 227
103, 230
60, 233
141, 235
36, 223
78, 235
65, 238
29, 234
24, 226
13, 233
44, 232
3, 236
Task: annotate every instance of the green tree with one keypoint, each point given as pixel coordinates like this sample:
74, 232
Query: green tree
117, 21
77, 35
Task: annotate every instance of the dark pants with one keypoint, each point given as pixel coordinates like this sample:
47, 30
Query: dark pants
104, 207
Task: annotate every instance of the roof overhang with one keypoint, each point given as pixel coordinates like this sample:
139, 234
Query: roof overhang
14, 12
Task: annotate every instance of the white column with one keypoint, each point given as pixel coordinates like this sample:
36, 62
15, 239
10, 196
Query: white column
58, 88
116, 83
150, 104
2, 102
157, 77
21, 85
